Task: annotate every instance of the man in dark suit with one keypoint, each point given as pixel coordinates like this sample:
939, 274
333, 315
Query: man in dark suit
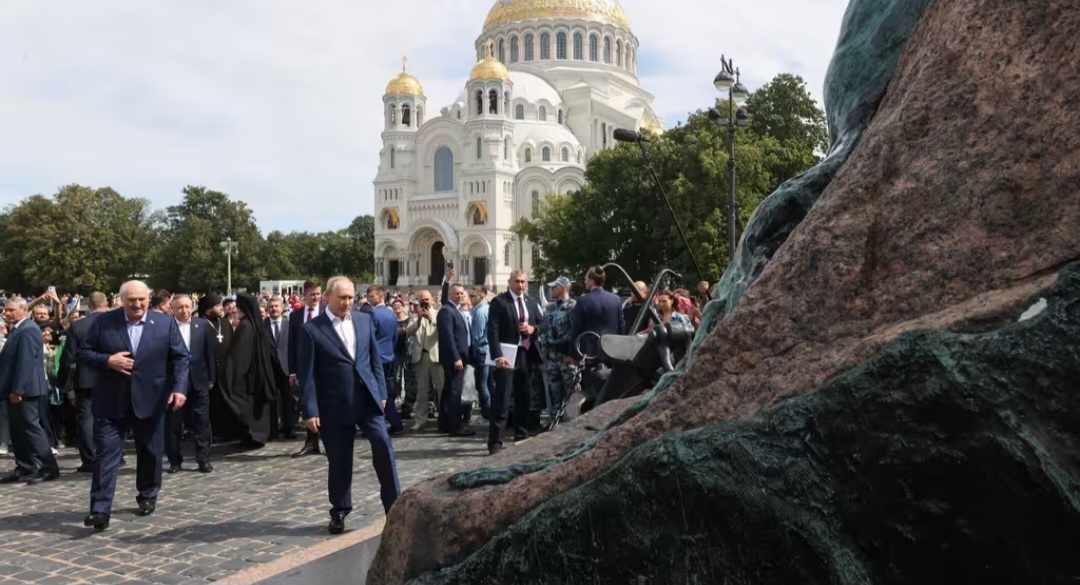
202, 371
312, 308
597, 311
454, 352
85, 378
343, 386
386, 330
24, 387
512, 319
278, 330
144, 369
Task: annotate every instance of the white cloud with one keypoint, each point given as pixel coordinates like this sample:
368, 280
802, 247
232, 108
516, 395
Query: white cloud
278, 102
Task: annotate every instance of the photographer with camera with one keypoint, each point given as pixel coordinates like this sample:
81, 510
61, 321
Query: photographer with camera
423, 334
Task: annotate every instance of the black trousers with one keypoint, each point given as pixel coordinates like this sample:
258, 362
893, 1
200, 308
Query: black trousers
29, 436
512, 386
196, 415
450, 411
286, 410
84, 427
392, 370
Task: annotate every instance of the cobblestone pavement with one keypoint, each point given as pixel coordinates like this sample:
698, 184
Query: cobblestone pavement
255, 507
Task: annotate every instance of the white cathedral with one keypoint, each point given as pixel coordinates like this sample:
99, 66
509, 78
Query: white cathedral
553, 81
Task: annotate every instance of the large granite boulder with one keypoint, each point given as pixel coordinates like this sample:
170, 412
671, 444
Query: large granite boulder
865, 399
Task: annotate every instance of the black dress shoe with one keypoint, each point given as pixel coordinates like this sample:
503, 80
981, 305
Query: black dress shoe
463, 432
337, 523
42, 477
16, 477
205, 467
85, 469
494, 449
519, 436
173, 468
307, 449
97, 520
146, 507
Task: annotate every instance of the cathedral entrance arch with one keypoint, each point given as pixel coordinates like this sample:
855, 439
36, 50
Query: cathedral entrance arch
438, 264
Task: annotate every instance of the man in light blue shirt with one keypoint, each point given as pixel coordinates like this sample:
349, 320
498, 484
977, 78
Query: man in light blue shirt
479, 339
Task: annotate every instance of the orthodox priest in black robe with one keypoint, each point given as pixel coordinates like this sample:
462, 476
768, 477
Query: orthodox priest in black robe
248, 375
222, 420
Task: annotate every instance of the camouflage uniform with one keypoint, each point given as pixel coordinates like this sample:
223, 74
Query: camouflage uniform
561, 379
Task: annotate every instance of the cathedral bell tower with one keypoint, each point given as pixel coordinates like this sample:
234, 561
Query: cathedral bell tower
404, 106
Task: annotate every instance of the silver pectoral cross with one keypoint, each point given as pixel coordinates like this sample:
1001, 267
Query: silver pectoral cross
220, 337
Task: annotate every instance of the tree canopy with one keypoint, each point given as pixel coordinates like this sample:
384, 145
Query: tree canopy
97, 237
619, 215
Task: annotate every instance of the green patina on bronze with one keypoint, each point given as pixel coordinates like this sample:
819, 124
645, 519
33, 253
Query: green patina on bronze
949, 457
872, 37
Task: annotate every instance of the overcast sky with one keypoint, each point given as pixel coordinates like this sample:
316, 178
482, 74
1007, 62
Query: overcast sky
278, 102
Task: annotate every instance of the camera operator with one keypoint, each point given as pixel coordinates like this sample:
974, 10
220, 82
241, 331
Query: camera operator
423, 336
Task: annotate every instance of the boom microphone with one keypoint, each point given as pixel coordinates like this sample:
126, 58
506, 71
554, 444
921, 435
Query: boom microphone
624, 135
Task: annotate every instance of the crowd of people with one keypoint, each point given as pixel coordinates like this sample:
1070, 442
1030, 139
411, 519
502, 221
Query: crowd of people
508, 358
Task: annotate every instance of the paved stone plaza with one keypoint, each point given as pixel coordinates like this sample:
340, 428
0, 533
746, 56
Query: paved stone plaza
255, 507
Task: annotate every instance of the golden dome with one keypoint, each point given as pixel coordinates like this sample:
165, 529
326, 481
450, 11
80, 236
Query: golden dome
489, 68
404, 83
605, 11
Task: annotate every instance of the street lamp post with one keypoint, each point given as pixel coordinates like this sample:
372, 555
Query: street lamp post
728, 80
229, 246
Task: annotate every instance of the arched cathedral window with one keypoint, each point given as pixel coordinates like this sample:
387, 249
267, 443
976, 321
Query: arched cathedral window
594, 47
545, 154
444, 169
560, 46
502, 50
529, 47
405, 118
479, 103
545, 45
535, 200
607, 50
618, 53
565, 154
506, 254
514, 49
493, 98
543, 114
528, 155
519, 112
578, 47
392, 161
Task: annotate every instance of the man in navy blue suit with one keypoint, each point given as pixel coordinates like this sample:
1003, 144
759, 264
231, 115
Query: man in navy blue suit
202, 369
597, 311
144, 369
454, 351
343, 386
24, 387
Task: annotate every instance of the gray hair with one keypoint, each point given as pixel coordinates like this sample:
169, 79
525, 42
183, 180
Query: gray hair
277, 298
337, 281
19, 302
179, 297
138, 284
519, 272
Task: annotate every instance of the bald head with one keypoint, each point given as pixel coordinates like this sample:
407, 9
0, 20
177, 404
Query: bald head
134, 286
135, 296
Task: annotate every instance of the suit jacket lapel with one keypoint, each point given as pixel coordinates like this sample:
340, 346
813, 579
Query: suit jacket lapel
328, 330
356, 332
124, 331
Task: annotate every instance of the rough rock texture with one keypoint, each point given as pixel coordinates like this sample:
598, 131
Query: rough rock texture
950, 458
958, 205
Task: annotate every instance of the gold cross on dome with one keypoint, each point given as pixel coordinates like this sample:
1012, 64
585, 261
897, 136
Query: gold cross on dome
404, 62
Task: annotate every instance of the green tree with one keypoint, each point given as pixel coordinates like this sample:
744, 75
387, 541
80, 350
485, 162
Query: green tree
783, 109
191, 257
79, 236
619, 216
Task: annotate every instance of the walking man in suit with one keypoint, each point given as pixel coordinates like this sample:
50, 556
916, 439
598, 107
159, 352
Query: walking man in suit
278, 330
343, 386
512, 319
24, 387
386, 330
454, 335
85, 378
144, 370
202, 371
312, 308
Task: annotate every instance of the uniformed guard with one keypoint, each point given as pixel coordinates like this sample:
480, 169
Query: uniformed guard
561, 373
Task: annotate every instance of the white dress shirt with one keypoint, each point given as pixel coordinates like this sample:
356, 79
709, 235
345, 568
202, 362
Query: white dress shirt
185, 332
345, 331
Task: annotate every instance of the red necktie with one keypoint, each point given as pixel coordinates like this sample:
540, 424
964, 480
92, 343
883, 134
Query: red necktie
522, 321
310, 310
